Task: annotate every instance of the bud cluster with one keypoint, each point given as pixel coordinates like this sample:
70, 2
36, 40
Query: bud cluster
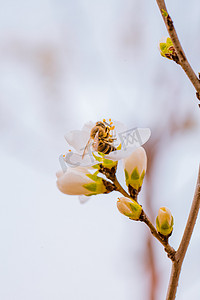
99, 177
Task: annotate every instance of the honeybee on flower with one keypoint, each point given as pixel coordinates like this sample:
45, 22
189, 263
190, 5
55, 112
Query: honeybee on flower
101, 138
97, 149
110, 139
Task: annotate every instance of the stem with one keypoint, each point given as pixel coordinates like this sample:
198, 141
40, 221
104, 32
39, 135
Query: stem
152, 268
170, 250
119, 188
173, 283
179, 50
180, 254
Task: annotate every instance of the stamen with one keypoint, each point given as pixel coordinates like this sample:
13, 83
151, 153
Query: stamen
112, 128
104, 120
70, 150
111, 123
109, 120
63, 155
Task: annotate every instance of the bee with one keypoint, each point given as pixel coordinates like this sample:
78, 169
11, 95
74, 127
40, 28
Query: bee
101, 137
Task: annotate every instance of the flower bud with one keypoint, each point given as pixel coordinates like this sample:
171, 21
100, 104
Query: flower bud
79, 181
106, 163
129, 208
135, 168
164, 221
166, 48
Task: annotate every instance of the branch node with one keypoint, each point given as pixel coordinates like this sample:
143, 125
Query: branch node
169, 23
198, 95
171, 254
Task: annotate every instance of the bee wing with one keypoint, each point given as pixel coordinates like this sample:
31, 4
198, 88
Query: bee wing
86, 147
96, 141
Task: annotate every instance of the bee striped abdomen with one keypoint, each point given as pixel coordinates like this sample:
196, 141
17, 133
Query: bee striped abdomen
105, 148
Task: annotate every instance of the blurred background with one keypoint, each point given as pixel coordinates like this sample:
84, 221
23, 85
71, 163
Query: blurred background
63, 63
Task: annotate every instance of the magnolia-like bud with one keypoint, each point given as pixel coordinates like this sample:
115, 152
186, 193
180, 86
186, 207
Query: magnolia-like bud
166, 48
129, 208
164, 221
79, 181
135, 168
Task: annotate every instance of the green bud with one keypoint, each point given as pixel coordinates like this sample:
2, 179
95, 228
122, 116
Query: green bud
164, 221
166, 48
106, 163
129, 208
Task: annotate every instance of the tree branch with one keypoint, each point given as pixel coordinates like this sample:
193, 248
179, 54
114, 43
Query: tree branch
119, 188
170, 250
179, 50
180, 254
190, 222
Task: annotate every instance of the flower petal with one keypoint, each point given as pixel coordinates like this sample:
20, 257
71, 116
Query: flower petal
119, 127
119, 154
71, 182
144, 135
75, 160
78, 139
83, 199
88, 126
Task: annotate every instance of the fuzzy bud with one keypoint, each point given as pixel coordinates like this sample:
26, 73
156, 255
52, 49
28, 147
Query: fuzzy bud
135, 168
79, 181
164, 221
129, 208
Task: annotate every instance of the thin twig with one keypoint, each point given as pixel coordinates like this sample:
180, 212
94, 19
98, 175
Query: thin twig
170, 251
151, 257
183, 61
119, 188
180, 254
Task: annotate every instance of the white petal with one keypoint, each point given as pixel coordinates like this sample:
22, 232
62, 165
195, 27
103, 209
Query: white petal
72, 181
137, 159
119, 127
119, 154
83, 199
134, 137
59, 174
88, 126
78, 139
75, 160
144, 135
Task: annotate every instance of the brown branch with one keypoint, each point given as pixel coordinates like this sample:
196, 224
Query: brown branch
152, 267
173, 283
182, 60
119, 188
170, 250
180, 254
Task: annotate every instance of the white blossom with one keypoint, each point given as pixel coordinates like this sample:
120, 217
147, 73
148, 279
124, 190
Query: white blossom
128, 139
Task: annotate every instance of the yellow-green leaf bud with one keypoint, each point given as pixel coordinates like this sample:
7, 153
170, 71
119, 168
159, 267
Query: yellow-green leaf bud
166, 48
106, 163
129, 208
164, 221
